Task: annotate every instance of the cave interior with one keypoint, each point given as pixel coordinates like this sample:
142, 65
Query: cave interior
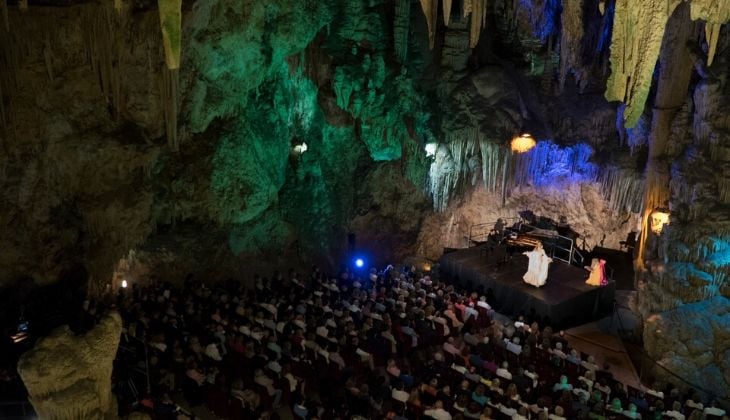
147, 141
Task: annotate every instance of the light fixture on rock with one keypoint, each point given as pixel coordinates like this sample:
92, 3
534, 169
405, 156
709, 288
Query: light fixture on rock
522, 143
124, 284
659, 217
431, 149
298, 147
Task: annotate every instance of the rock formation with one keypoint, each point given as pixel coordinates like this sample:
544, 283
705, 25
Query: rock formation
692, 341
69, 376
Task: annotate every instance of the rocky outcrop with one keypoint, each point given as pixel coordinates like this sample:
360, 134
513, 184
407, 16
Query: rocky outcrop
693, 342
69, 377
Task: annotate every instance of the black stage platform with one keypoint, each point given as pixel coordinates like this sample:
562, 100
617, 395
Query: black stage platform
565, 299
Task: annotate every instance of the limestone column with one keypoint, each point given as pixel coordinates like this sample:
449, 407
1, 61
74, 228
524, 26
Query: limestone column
675, 69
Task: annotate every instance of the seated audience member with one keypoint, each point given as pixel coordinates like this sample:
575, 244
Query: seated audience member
558, 414
563, 385
632, 412
713, 411
504, 372
695, 402
438, 412
675, 412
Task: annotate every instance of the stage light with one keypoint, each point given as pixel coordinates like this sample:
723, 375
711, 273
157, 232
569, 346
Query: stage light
523, 143
431, 149
659, 217
124, 284
359, 263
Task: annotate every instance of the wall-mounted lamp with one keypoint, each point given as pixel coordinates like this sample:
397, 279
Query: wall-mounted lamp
522, 143
659, 217
124, 284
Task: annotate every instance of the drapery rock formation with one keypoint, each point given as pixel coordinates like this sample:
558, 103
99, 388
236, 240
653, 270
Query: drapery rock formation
69, 377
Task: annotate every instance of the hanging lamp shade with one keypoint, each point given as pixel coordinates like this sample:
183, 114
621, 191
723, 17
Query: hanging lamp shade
522, 143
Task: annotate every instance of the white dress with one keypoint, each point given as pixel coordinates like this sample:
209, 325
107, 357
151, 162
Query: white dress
537, 270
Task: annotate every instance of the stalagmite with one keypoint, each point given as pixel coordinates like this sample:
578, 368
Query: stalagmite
672, 85
69, 376
430, 10
571, 36
715, 13
447, 11
638, 29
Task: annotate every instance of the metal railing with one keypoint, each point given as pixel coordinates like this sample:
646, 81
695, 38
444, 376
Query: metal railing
560, 247
479, 233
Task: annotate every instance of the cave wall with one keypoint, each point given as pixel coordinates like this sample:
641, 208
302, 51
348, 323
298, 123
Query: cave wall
88, 175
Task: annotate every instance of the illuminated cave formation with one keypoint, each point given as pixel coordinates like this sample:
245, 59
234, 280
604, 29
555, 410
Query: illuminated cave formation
146, 140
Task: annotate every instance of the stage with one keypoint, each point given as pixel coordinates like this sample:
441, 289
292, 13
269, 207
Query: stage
565, 299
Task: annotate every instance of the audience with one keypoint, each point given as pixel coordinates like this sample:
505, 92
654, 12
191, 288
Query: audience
393, 344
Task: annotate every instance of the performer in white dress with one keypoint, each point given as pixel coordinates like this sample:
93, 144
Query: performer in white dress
537, 270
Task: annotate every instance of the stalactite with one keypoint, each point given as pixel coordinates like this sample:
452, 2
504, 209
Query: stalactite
571, 36
119, 6
48, 58
430, 10
477, 9
623, 189
478, 20
447, 11
401, 27
102, 38
23, 5
491, 163
169, 83
715, 13
3, 121
4, 14
171, 24
638, 28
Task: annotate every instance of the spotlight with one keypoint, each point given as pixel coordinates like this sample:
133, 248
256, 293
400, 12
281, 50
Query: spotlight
124, 284
300, 148
359, 263
431, 149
